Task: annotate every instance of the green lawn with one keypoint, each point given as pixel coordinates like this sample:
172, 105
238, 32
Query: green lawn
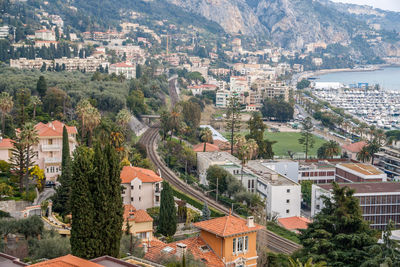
290, 141
287, 141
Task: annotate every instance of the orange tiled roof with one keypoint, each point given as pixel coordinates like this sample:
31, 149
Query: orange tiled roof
209, 147
294, 223
6, 143
122, 65
355, 147
194, 245
68, 261
227, 226
54, 128
129, 173
138, 216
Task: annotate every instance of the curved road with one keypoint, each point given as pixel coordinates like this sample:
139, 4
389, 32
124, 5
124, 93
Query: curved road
265, 238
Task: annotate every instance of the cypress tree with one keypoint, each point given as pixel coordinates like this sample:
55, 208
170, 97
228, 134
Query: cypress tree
82, 239
61, 200
103, 215
41, 86
206, 212
167, 219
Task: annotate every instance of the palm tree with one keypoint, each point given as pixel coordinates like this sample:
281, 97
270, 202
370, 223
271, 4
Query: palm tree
206, 137
253, 147
6, 105
246, 149
175, 120
92, 121
123, 117
81, 110
373, 148
29, 137
364, 155
35, 101
309, 263
332, 149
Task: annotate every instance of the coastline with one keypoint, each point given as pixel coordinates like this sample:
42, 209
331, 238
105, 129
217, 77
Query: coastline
310, 74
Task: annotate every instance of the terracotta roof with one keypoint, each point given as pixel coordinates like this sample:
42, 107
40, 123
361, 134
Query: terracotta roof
294, 223
43, 30
227, 226
354, 147
129, 173
6, 143
54, 128
222, 145
209, 147
106, 260
195, 245
68, 261
362, 168
374, 187
138, 216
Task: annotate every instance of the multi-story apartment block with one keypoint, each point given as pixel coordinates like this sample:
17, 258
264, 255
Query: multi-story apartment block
222, 98
4, 31
269, 89
45, 35
142, 187
380, 202
358, 172
388, 160
49, 148
89, 64
126, 69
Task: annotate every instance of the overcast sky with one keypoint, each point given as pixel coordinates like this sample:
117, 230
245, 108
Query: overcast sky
383, 4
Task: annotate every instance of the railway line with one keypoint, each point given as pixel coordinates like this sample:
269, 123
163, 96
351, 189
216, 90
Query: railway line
265, 238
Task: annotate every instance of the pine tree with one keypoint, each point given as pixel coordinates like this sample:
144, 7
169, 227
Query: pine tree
41, 86
233, 118
206, 212
61, 200
167, 219
338, 235
82, 240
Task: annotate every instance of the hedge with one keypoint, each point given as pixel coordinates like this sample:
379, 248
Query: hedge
195, 203
275, 228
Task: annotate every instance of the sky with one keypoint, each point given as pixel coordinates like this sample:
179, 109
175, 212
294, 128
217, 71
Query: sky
393, 5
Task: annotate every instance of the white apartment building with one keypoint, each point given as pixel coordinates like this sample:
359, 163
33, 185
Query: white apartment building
45, 35
142, 187
128, 70
89, 64
4, 31
222, 98
49, 148
282, 195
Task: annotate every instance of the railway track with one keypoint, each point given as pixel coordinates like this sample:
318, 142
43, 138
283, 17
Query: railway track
266, 238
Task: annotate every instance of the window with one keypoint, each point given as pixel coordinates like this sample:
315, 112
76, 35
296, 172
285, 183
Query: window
240, 244
287, 200
287, 190
132, 187
234, 245
140, 187
317, 207
140, 198
287, 211
157, 199
50, 141
131, 198
246, 243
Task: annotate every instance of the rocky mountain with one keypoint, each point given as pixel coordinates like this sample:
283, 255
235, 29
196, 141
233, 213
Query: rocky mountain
289, 23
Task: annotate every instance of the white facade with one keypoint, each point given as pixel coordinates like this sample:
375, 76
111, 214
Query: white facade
128, 70
222, 98
142, 195
45, 35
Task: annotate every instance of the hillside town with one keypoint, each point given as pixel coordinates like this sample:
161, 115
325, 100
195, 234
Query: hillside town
140, 141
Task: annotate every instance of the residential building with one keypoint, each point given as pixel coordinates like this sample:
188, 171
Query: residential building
45, 35
282, 195
5, 149
142, 187
358, 172
319, 172
272, 89
222, 98
379, 201
140, 223
288, 168
388, 160
208, 147
125, 69
73, 261
89, 64
222, 242
49, 148
4, 31
353, 149
223, 159
199, 89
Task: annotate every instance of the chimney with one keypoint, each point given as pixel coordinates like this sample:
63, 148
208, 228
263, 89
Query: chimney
250, 221
180, 249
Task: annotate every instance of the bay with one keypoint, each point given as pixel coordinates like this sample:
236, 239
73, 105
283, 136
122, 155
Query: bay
388, 78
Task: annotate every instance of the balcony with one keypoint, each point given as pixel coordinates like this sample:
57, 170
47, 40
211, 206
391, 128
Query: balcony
52, 160
51, 148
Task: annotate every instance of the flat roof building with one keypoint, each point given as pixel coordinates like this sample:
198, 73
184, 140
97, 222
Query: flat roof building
358, 172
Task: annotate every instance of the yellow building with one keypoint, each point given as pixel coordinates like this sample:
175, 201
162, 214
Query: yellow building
140, 222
